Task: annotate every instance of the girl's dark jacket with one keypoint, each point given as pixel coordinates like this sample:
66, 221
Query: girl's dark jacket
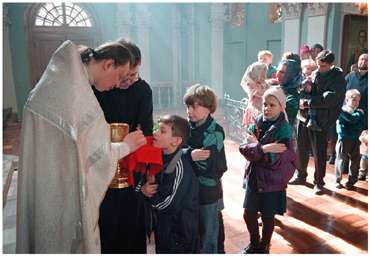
273, 170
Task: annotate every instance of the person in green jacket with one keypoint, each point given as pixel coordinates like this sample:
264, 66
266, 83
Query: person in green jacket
350, 124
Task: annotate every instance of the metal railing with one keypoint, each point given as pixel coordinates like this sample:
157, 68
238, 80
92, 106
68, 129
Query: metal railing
234, 110
163, 94
168, 94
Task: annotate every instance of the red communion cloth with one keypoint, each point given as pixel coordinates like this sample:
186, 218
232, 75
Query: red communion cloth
145, 157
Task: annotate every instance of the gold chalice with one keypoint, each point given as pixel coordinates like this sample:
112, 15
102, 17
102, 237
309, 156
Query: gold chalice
118, 132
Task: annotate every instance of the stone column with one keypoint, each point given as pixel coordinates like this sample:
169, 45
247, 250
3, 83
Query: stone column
143, 17
317, 23
9, 94
291, 26
191, 44
176, 54
217, 20
124, 21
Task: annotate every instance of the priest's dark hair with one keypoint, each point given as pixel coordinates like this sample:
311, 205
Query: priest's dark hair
111, 50
134, 49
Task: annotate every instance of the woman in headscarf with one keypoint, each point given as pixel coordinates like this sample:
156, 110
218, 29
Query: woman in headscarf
289, 77
253, 83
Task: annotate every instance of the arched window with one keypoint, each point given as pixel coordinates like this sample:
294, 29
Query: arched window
64, 14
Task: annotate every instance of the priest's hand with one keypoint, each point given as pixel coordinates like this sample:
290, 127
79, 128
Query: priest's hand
135, 140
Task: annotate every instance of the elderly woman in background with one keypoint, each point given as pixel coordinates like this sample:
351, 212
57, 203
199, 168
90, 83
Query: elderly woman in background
253, 83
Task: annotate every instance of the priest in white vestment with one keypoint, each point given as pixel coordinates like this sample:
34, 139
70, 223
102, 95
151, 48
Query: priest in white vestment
67, 160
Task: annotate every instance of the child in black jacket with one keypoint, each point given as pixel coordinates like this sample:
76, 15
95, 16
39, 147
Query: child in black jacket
173, 192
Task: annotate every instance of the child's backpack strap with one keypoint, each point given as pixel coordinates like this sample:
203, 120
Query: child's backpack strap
171, 166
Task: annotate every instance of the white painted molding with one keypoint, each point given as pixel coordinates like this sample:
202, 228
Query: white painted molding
292, 10
317, 9
218, 16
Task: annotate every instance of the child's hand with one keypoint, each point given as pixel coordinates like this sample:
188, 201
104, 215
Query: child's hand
149, 188
200, 154
274, 148
249, 137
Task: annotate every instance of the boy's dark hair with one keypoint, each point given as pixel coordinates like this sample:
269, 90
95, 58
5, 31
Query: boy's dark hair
202, 95
292, 56
318, 46
326, 56
179, 126
134, 49
115, 51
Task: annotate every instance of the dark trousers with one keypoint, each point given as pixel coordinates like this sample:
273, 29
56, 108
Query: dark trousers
122, 222
221, 234
317, 142
347, 150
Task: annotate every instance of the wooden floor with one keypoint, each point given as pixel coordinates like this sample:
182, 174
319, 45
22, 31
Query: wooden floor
335, 222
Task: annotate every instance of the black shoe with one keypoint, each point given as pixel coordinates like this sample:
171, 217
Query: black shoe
250, 249
298, 181
313, 126
331, 159
318, 189
349, 186
264, 249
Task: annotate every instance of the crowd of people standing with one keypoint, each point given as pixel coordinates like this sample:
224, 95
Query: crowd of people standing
67, 151
321, 105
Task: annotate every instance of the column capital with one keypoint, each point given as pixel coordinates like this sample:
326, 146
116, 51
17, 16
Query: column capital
317, 9
236, 14
218, 16
291, 10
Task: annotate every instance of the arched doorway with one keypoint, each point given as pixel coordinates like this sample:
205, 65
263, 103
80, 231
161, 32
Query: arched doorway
50, 24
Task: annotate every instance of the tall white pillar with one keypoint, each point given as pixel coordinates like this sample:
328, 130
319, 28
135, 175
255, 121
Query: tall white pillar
176, 54
143, 17
317, 23
191, 44
291, 27
124, 21
9, 95
217, 20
